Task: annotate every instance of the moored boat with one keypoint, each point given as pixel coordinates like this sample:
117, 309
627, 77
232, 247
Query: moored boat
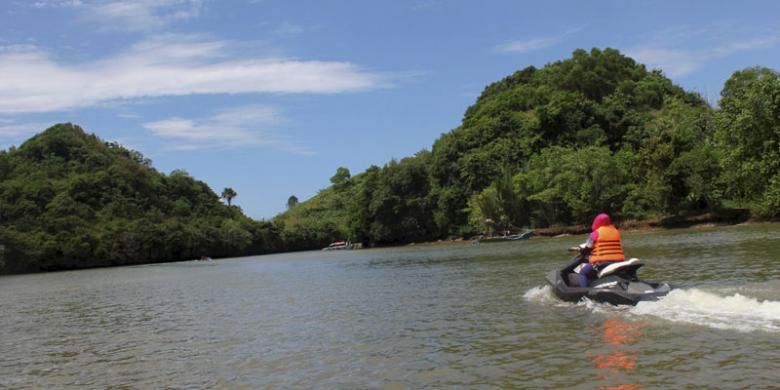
510, 237
338, 245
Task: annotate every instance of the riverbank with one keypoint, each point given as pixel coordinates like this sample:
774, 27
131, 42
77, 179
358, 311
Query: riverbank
723, 217
714, 218
710, 219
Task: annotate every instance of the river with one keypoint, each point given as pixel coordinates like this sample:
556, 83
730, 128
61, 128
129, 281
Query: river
441, 316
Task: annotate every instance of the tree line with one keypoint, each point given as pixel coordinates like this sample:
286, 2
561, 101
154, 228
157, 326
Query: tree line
543, 147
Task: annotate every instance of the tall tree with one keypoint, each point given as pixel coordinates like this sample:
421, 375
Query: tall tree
341, 177
292, 201
228, 194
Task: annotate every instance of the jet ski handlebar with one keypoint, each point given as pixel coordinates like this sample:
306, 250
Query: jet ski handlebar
581, 249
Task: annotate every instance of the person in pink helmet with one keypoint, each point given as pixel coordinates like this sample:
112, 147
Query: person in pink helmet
604, 246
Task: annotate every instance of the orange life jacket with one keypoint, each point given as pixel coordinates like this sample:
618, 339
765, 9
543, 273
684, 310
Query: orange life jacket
608, 246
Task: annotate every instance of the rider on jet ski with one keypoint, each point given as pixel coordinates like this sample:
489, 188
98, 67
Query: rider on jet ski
603, 246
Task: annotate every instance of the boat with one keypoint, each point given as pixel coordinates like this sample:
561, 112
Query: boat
520, 236
617, 284
338, 245
510, 237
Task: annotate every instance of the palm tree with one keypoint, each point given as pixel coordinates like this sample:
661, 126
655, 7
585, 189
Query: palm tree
292, 201
228, 194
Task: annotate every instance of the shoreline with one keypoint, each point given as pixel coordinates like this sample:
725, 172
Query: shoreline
727, 217
720, 218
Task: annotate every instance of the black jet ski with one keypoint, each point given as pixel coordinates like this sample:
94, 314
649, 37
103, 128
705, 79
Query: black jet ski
616, 284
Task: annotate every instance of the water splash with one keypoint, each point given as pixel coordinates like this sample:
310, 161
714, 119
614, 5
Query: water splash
545, 295
540, 294
694, 306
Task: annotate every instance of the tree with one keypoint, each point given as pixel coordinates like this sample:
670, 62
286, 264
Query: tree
228, 194
498, 206
358, 210
485, 211
748, 135
292, 201
399, 209
341, 177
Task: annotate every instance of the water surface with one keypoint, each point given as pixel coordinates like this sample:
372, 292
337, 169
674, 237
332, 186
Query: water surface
440, 316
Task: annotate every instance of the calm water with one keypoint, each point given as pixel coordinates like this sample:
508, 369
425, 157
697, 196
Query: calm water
435, 316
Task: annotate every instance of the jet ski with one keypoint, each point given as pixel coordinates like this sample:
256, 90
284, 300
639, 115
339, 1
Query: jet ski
617, 284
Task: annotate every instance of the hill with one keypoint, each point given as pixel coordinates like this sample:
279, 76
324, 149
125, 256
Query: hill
70, 200
556, 145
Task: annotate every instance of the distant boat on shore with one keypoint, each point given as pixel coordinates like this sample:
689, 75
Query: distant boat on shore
510, 237
338, 245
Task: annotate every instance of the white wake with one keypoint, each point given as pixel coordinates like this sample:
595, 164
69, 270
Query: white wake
736, 311
692, 306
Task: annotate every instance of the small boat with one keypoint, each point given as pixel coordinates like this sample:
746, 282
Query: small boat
338, 245
511, 237
520, 236
617, 284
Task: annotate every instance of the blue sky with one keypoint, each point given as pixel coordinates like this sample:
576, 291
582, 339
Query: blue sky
270, 97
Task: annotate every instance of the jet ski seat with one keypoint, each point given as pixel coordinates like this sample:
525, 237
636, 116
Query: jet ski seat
618, 265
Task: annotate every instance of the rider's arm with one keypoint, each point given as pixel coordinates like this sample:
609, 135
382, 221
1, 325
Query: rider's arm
592, 238
590, 242
586, 246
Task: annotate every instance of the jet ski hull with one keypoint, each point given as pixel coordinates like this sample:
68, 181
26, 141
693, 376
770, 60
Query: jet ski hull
614, 289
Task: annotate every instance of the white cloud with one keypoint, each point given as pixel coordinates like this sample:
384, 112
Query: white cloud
57, 3
528, 45
232, 128
676, 60
130, 15
163, 66
538, 43
142, 15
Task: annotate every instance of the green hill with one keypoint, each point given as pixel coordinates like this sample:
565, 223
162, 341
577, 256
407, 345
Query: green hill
70, 200
556, 145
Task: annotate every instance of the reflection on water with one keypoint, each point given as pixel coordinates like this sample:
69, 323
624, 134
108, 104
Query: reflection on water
441, 316
617, 335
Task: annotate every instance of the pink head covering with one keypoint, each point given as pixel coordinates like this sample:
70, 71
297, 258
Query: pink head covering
600, 220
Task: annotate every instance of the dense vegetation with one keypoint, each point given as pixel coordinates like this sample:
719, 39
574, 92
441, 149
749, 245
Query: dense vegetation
542, 147
69, 200
554, 146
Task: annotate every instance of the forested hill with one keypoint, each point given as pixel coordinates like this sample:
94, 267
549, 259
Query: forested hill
70, 200
554, 146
